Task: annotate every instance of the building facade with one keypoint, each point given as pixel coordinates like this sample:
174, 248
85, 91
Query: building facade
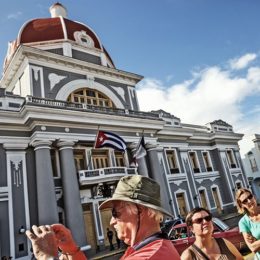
59, 87
251, 164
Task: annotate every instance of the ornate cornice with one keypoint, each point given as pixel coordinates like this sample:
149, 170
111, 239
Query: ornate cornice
38, 56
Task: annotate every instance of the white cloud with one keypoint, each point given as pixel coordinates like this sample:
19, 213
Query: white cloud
14, 15
210, 94
242, 62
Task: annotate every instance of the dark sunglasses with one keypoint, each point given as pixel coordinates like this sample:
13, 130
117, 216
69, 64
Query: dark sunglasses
245, 201
200, 220
114, 213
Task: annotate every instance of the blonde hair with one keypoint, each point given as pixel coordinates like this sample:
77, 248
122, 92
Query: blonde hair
240, 208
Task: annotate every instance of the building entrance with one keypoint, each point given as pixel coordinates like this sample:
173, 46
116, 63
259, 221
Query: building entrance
105, 218
217, 200
182, 204
90, 225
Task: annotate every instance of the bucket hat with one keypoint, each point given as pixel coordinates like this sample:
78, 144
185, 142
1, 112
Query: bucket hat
137, 189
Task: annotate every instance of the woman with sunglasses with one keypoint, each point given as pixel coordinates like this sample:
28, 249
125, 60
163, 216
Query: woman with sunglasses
206, 247
249, 224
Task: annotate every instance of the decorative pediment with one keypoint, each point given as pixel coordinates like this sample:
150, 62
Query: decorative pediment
164, 114
220, 123
84, 39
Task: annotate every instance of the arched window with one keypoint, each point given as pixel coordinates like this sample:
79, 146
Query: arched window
90, 97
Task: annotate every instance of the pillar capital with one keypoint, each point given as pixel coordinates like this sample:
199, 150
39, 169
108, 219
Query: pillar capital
15, 145
66, 144
41, 144
151, 146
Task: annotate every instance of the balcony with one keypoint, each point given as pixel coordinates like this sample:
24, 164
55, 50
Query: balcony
104, 174
60, 104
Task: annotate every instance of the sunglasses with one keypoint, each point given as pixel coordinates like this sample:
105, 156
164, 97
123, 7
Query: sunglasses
246, 200
115, 214
200, 220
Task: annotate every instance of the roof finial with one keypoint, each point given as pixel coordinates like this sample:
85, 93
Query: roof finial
57, 10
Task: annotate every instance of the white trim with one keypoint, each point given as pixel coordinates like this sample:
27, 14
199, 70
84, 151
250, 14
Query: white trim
17, 76
196, 157
243, 171
72, 86
219, 195
130, 94
176, 157
223, 156
185, 198
202, 188
209, 157
32, 74
233, 158
184, 156
4, 189
64, 29
161, 159
100, 44
10, 205
96, 218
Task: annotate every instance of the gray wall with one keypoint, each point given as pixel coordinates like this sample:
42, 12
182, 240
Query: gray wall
4, 229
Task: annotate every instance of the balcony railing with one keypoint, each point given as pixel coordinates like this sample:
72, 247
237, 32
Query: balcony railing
44, 102
98, 174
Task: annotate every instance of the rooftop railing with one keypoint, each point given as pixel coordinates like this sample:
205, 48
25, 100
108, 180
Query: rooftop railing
44, 102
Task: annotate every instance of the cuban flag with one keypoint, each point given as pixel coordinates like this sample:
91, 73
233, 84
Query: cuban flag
109, 139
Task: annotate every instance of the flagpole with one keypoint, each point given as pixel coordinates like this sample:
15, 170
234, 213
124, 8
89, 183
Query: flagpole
90, 153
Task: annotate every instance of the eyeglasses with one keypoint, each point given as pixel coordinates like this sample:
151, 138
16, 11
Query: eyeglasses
246, 200
200, 220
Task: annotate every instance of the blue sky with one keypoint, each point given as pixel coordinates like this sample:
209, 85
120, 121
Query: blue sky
200, 58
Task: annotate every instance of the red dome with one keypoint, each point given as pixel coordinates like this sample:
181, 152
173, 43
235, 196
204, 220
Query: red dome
55, 29
51, 29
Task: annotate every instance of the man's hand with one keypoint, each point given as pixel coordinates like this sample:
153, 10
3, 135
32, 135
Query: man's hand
64, 239
43, 242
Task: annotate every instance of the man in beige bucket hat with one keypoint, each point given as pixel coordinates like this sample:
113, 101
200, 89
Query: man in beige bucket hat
136, 216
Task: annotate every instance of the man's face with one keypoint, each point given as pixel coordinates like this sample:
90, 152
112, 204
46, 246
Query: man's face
124, 222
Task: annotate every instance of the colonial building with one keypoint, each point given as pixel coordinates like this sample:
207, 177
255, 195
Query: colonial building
59, 87
251, 164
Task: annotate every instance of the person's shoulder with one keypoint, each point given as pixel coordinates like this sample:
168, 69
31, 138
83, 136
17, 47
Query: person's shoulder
186, 254
157, 249
243, 220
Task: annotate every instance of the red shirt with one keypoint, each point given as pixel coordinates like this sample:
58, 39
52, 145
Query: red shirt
156, 250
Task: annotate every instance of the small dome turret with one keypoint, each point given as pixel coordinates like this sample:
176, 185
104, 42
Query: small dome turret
57, 10
56, 29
